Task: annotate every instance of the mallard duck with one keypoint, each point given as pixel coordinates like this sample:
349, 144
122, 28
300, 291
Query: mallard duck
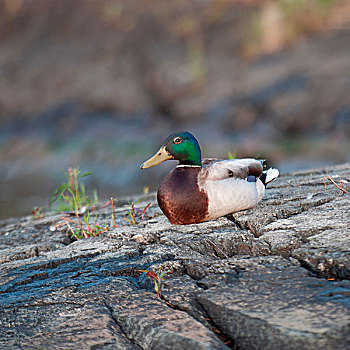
200, 190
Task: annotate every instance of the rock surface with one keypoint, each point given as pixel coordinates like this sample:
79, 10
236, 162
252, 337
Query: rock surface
275, 277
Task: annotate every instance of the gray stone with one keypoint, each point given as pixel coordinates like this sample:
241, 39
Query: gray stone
278, 305
275, 277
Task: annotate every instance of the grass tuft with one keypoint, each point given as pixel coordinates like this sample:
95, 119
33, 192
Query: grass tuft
136, 216
232, 156
158, 278
71, 195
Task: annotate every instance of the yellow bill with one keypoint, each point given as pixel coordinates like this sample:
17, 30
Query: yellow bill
161, 156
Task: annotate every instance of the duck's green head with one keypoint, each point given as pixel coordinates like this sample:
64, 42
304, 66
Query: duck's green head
181, 146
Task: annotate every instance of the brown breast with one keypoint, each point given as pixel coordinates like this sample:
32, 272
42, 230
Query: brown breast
180, 198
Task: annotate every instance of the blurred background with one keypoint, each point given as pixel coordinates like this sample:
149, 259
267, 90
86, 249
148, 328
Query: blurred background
100, 84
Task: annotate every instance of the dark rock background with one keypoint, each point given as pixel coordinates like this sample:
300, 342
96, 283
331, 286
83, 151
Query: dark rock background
275, 277
100, 84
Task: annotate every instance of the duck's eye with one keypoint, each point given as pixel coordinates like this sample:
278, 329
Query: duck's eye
177, 140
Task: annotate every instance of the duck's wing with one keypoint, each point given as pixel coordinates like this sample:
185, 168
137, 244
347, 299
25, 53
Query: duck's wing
216, 169
207, 161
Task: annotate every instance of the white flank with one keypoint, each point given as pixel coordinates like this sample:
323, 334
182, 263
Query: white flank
232, 195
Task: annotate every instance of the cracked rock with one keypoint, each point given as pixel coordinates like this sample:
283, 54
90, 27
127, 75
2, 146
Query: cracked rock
274, 277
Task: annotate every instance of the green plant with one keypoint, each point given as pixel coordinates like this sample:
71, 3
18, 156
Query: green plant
71, 195
158, 278
232, 156
136, 215
90, 229
87, 227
